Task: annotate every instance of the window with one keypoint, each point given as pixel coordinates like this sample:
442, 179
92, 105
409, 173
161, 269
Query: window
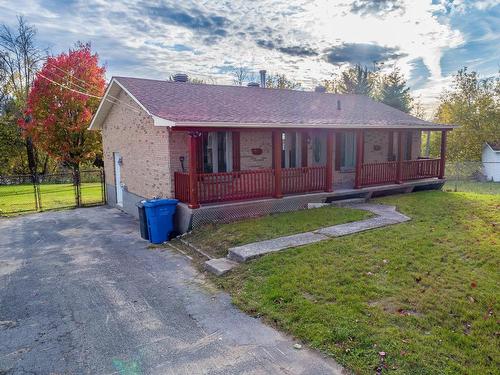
347, 151
290, 149
407, 146
217, 152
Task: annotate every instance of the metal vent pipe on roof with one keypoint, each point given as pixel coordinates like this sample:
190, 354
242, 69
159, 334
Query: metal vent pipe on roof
338, 105
262, 78
180, 77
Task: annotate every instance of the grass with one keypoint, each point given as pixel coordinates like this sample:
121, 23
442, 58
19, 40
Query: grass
215, 239
424, 292
472, 187
21, 198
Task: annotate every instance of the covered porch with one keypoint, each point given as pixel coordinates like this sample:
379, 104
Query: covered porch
294, 171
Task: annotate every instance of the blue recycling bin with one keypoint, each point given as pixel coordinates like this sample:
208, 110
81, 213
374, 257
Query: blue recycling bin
160, 215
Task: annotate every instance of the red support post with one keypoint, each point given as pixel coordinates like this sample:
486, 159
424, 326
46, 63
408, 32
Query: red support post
360, 145
277, 163
399, 173
442, 161
329, 162
193, 173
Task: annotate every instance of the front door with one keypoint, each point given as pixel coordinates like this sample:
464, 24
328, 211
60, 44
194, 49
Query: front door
118, 181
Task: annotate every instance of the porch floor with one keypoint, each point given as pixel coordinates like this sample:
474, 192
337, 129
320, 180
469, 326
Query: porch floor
186, 219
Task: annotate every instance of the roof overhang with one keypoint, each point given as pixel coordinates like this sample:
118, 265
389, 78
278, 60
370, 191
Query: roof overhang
491, 148
184, 125
110, 99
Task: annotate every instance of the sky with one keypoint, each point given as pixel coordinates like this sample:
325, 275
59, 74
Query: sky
306, 40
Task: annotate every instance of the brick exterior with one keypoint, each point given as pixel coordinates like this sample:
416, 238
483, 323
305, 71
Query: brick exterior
152, 154
143, 147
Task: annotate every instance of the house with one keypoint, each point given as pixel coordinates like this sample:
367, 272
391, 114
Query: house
228, 152
491, 161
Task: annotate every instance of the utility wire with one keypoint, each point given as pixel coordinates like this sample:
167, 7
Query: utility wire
117, 101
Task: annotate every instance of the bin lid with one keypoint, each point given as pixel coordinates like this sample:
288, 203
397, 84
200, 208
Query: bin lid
140, 204
160, 202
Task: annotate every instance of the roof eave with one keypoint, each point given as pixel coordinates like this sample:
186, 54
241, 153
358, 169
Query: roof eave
206, 124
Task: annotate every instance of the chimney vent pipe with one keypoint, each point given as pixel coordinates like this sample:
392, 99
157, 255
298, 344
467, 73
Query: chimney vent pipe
180, 77
338, 105
262, 78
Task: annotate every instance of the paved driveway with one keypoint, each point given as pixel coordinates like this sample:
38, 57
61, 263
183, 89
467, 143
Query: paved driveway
80, 293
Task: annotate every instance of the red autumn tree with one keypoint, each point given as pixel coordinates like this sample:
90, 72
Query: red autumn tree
61, 103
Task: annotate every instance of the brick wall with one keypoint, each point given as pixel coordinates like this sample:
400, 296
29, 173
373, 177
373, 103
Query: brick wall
143, 147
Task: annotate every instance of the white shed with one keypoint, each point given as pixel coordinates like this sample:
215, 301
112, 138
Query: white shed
491, 161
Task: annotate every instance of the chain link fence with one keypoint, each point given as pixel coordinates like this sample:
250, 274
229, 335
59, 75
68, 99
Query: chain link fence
472, 176
31, 193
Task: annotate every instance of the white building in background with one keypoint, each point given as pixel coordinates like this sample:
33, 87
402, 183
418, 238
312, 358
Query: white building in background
491, 161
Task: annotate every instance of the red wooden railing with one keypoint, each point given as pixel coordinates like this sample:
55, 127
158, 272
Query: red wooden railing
302, 180
379, 173
418, 169
219, 187
384, 173
181, 182
228, 186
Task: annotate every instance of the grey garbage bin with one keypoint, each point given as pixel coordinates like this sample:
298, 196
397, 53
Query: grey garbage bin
143, 220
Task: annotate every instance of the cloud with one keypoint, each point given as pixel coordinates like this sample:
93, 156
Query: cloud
361, 53
378, 7
294, 50
212, 26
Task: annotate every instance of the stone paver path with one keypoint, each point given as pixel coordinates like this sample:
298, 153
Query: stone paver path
386, 215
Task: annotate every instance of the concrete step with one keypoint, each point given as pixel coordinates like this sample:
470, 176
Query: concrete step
348, 202
220, 266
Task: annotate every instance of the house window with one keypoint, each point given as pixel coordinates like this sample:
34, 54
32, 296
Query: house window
347, 151
407, 146
217, 152
290, 149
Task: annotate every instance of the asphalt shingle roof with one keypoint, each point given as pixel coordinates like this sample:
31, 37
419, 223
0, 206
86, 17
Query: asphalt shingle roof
188, 102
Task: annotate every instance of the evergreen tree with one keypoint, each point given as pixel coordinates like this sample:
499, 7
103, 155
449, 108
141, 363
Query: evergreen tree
393, 91
356, 80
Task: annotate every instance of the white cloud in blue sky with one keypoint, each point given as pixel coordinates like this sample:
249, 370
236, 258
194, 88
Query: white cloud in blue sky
308, 41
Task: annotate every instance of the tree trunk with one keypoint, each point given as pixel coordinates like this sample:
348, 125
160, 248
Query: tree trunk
31, 154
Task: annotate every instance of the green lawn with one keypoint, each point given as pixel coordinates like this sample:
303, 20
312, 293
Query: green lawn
215, 239
473, 187
21, 198
423, 292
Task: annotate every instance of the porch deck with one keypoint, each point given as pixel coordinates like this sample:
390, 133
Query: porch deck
187, 218
256, 184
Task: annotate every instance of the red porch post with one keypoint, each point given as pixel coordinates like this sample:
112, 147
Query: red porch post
193, 172
277, 163
399, 172
360, 145
329, 162
442, 161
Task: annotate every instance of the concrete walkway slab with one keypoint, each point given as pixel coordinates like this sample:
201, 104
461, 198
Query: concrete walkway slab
386, 215
247, 252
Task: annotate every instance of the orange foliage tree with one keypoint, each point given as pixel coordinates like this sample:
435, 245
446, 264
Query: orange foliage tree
61, 103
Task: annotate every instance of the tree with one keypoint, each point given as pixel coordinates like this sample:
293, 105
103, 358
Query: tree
19, 61
474, 105
392, 90
240, 75
281, 81
356, 80
64, 97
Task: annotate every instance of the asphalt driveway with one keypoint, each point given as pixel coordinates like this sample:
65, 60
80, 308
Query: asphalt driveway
80, 293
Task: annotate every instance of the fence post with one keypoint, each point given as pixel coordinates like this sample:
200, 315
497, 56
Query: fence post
76, 183
36, 192
103, 186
